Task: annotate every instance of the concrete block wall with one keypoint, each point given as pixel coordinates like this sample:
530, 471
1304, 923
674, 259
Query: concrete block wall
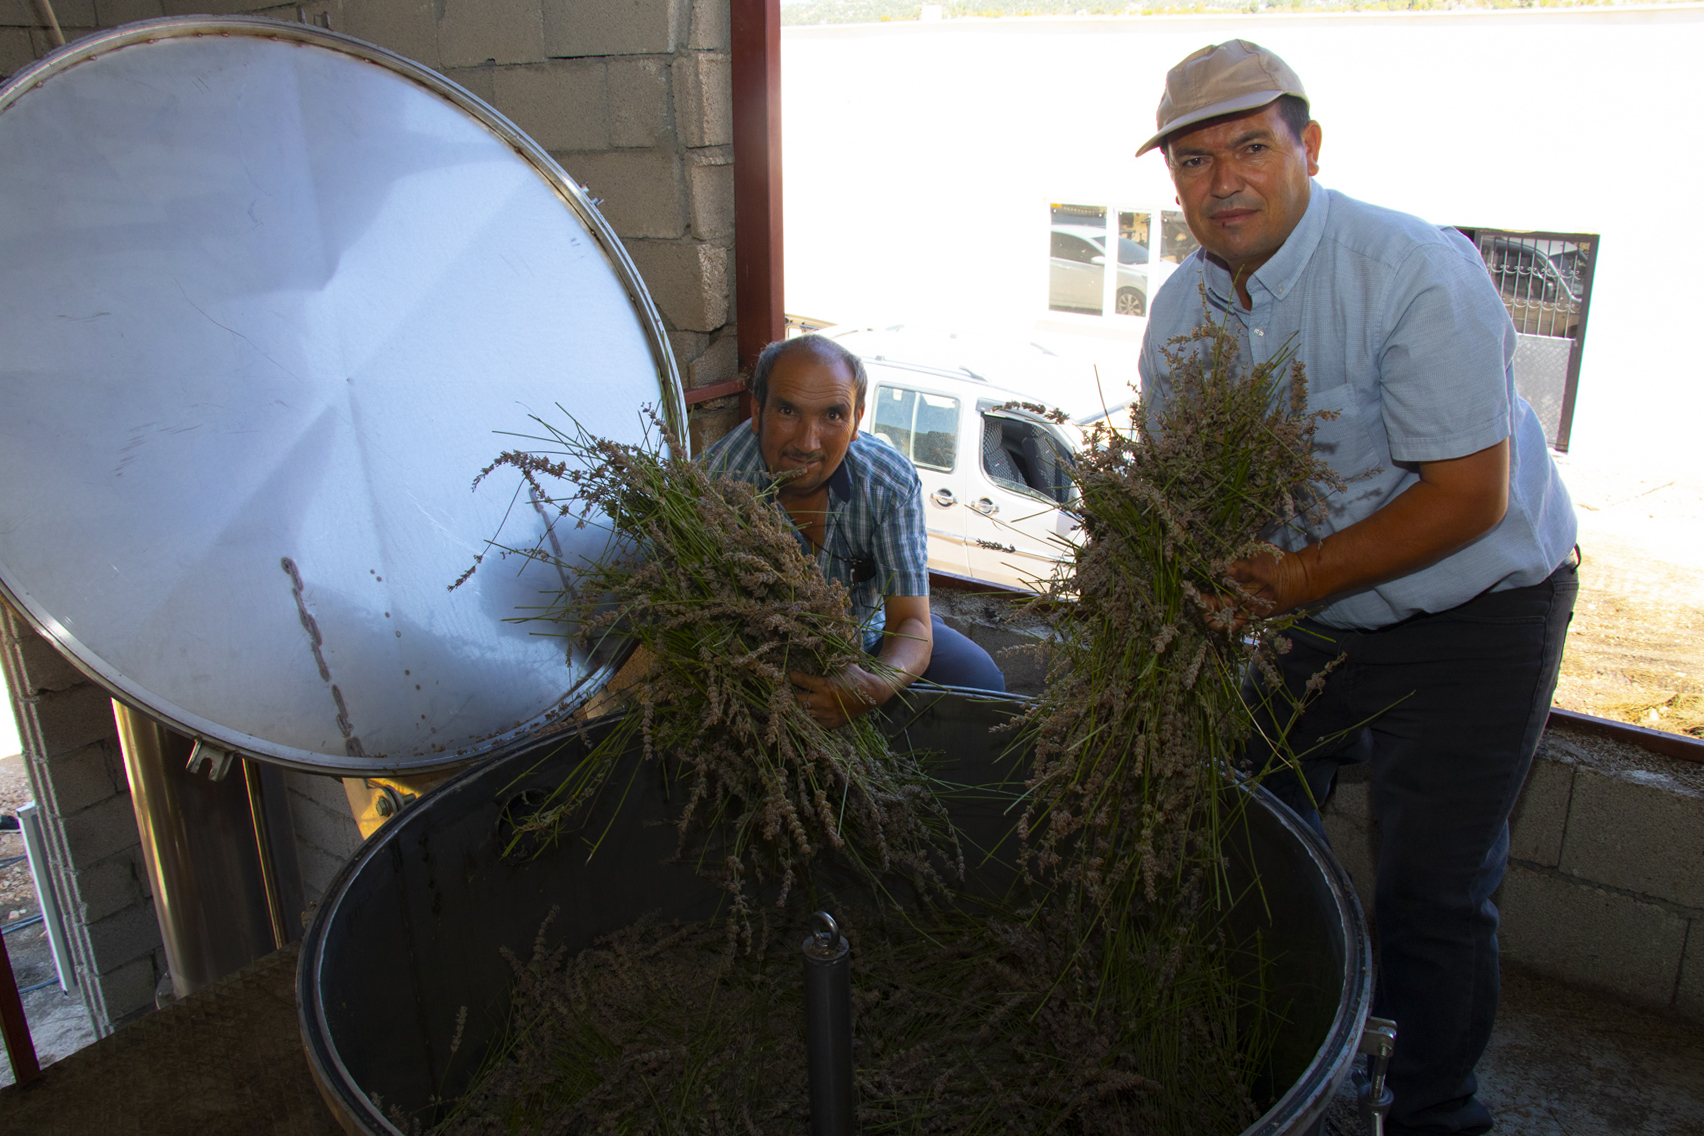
1605, 887
76, 773
326, 832
632, 97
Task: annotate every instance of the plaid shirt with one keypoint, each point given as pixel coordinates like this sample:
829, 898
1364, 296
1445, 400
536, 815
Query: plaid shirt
875, 542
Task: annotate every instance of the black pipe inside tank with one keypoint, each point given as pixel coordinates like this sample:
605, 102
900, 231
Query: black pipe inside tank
828, 1029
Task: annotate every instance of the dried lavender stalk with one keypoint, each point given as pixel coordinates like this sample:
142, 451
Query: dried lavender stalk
707, 576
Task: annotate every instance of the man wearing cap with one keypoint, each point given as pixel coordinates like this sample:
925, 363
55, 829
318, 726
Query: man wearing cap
858, 505
1443, 576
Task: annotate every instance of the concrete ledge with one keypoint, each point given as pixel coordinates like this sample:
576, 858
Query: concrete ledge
1605, 887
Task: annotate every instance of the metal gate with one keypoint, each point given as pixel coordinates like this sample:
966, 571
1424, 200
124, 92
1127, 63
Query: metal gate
1545, 280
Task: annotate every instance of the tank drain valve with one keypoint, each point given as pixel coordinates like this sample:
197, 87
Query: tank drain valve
1378, 1042
828, 1028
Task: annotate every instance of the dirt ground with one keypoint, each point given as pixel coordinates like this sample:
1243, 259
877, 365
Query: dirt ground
17, 891
1636, 648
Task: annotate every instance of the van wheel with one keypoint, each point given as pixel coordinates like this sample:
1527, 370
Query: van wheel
1131, 302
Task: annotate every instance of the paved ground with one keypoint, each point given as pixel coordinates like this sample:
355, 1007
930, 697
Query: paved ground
59, 1025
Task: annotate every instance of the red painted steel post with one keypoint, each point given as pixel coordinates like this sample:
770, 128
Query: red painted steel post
14, 1026
755, 35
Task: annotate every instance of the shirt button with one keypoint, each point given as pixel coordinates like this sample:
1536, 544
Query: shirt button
1260, 331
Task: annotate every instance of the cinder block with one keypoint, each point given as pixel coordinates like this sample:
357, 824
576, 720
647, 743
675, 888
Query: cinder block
710, 186
45, 669
639, 102
1590, 936
1541, 815
497, 31
104, 830
643, 193
687, 346
74, 718
709, 30
704, 99
480, 80
111, 13
109, 886
319, 812
563, 104
611, 27
15, 50
84, 777
237, 8
1356, 847
23, 13
1645, 836
711, 420
318, 869
123, 937
407, 27
717, 363
128, 991
689, 281
1689, 995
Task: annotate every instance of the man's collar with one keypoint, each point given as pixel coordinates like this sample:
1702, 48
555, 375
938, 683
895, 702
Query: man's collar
1279, 275
840, 481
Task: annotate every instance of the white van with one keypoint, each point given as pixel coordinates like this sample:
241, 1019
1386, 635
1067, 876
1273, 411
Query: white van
993, 481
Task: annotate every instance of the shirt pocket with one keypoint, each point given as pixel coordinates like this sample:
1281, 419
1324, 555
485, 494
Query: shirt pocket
1351, 438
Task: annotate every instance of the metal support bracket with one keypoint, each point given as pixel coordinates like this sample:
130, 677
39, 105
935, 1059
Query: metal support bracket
1378, 1042
217, 761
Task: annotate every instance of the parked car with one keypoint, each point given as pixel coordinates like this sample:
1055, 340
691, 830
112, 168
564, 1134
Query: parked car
994, 478
1542, 288
1077, 272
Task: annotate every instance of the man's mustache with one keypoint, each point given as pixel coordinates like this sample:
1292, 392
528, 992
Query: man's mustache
1230, 203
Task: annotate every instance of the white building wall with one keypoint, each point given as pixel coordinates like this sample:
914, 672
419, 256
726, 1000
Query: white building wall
920, 159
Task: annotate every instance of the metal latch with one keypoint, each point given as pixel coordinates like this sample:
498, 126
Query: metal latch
1378, 1042
217, 761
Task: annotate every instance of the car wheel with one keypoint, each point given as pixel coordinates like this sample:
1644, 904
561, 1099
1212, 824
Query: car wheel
1131, 302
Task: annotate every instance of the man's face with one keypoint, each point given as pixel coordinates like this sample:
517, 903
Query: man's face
807, 422
1243, 183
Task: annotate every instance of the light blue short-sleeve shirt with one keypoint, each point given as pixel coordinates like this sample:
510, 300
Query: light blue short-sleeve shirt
1404, 335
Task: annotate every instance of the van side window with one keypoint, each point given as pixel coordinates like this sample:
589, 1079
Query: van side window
922, 426
1025, 457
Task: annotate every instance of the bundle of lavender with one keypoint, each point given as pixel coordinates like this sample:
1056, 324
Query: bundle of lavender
707, 577
1137, 737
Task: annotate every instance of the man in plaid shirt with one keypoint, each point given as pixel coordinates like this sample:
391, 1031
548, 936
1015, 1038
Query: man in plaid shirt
858, 507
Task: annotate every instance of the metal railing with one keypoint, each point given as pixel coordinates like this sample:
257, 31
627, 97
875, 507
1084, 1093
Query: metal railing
1545, 280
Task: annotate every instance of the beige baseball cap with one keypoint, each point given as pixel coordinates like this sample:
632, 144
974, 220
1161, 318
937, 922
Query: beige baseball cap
1233, 76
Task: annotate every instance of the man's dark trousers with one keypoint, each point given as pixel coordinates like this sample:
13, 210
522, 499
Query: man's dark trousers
1448, 707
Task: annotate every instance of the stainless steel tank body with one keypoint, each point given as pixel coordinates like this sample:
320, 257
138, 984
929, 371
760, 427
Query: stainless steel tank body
410, 932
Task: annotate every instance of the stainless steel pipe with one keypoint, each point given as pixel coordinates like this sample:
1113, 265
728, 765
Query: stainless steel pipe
198, 839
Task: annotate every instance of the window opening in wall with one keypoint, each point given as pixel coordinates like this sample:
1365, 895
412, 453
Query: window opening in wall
1545, 280
1076, 274
1131, 295
1177, 241
922, 426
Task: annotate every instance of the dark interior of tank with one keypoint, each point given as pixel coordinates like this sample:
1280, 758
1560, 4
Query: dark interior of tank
412, 933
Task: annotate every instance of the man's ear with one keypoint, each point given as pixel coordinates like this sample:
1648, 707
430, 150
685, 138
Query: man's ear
756, 418
1310, 142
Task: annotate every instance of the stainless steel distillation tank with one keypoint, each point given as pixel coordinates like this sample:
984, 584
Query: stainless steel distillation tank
269, 297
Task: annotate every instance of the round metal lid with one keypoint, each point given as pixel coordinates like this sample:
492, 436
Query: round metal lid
270, 297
